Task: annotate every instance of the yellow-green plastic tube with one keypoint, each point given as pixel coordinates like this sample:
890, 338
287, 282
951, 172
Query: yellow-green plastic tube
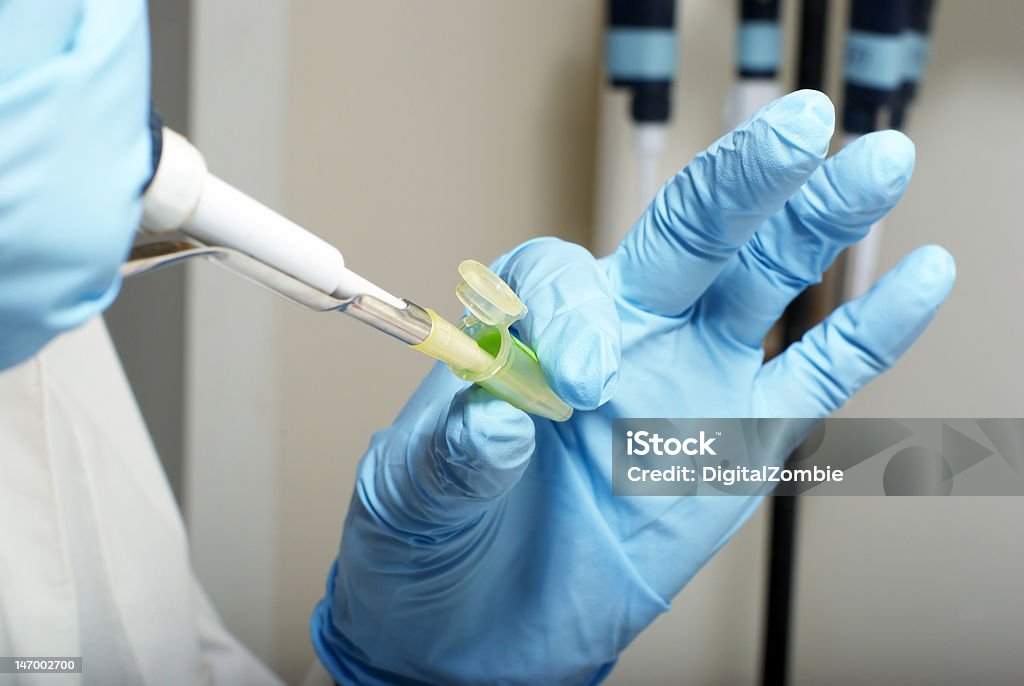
481, 350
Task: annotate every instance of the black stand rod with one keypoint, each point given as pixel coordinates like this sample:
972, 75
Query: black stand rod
797, 319
780, 588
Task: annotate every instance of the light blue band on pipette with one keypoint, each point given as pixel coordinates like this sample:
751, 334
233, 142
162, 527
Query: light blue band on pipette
642, 54
874, 60
916, 48
757, 46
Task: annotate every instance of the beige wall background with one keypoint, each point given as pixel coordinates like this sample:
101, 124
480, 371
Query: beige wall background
419, 134
415, 134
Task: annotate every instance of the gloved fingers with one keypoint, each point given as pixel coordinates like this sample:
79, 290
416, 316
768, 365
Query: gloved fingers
481, 448
428, 482
836, 208
858, 341
711, 208
572, 323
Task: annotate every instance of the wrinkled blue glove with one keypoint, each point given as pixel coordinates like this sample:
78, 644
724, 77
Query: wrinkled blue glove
74, 156
485, 546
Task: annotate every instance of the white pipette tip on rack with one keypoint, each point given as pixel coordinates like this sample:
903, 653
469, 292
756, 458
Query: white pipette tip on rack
649, 143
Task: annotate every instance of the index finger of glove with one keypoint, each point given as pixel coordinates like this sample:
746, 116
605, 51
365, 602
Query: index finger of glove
702, 217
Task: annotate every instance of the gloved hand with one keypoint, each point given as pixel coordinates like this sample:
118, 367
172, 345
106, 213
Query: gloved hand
485, 546
74, 156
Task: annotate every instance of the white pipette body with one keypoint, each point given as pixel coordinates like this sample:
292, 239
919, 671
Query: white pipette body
184, 196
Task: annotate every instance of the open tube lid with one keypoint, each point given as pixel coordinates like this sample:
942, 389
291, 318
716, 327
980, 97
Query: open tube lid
487, 297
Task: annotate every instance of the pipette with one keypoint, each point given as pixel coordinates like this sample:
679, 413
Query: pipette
758, 53
876, 52
640, 56
226, 226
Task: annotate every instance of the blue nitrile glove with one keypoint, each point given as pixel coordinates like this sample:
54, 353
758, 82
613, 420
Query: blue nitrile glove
485, 546
74, 156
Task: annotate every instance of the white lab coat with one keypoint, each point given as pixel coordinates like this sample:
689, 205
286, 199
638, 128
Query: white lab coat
93, 557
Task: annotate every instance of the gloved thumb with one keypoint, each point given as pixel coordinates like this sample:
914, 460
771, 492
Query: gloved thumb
443, 464
481, 449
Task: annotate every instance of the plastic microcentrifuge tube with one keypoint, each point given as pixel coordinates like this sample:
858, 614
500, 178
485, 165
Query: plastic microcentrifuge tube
481, 349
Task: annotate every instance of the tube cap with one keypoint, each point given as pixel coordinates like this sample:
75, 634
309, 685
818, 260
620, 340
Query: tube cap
487, 297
